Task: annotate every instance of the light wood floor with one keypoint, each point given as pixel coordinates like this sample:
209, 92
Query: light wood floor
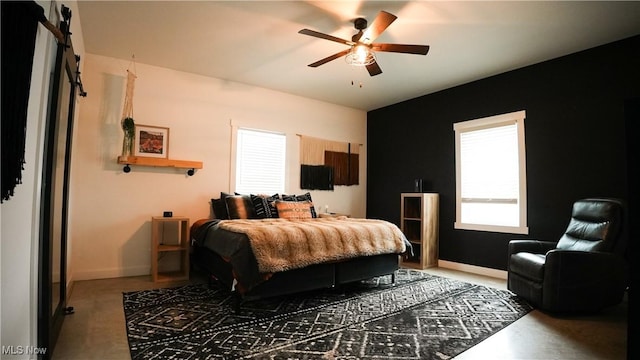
97, 328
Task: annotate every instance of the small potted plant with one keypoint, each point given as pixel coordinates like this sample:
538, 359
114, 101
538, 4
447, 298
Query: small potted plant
129, 128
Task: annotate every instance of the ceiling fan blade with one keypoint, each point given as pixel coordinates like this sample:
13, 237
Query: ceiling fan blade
329, 58
401, 48
324, 36
379, 25
374, 69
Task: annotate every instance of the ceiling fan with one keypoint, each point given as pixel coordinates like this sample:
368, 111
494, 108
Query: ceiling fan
361, 47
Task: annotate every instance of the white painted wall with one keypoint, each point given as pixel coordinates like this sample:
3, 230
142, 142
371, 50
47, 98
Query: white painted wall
111, 210
20, 215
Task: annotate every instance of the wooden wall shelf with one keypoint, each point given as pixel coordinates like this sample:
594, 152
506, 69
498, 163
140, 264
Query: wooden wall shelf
158, 162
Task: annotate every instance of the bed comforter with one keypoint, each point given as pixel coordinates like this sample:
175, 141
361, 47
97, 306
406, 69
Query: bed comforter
257, 248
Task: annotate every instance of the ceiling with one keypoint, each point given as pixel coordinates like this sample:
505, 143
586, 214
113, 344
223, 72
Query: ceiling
257, 42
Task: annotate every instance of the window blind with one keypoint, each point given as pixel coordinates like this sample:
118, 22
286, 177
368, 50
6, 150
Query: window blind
260, 162
489, 164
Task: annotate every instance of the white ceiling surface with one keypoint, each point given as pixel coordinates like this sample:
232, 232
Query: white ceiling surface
257, 42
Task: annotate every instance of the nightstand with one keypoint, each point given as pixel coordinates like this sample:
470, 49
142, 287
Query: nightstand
169, 248
331, 214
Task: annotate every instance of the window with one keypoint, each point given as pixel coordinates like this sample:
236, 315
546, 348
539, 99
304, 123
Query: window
491, 174
260, 162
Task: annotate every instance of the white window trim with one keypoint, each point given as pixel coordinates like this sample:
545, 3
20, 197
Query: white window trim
478, 124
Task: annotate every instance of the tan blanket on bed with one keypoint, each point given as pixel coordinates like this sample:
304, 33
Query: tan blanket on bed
281, 244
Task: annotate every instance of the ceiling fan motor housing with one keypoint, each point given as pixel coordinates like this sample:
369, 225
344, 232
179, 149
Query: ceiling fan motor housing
360, 23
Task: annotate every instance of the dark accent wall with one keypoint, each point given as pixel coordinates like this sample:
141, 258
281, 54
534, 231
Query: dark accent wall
575, 143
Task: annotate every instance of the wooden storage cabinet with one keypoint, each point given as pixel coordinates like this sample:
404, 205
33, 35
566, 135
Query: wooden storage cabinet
169, 248
419, 223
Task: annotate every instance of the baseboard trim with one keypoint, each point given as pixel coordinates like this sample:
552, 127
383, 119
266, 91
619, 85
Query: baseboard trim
111, 273
500, 274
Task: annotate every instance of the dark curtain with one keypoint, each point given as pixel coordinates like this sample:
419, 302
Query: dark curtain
316, 177
19, 25
345, 167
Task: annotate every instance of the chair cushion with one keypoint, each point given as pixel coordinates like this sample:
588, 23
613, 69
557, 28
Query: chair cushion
594, 226
528, 265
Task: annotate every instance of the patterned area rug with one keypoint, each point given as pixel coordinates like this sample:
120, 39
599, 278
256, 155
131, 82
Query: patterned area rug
421, 316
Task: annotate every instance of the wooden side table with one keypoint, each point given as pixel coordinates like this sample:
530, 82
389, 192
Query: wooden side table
170, 235
331, 214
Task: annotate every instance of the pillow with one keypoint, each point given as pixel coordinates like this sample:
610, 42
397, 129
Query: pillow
219, 209
220, 206
294, 210
264, 206
304, 197
240, 207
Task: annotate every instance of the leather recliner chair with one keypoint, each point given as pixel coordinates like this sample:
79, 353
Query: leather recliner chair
585, 271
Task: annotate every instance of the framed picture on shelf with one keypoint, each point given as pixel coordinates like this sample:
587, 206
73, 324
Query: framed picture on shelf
152, 141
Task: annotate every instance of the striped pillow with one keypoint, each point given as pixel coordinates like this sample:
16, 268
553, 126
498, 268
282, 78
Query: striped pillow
240, 207
294, 210
264, 206
306, 196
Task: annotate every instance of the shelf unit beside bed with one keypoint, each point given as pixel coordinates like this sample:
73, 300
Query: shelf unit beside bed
169, 235
419, 223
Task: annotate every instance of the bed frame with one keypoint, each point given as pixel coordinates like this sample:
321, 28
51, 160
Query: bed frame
313, 277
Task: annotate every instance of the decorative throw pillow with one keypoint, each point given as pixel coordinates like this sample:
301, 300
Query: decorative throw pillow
294, 210
304, 197
220, 206
240, 207
264, 206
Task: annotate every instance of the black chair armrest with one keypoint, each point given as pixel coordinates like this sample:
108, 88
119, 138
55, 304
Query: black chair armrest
583, 280
588, 265
530, 246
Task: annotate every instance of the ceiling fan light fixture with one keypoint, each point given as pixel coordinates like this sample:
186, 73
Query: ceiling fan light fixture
360, 56
360, 48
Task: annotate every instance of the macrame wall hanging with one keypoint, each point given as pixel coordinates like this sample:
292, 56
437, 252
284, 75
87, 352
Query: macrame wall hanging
325, 163
128, 125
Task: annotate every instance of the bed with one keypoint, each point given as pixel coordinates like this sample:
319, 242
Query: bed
264, 257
